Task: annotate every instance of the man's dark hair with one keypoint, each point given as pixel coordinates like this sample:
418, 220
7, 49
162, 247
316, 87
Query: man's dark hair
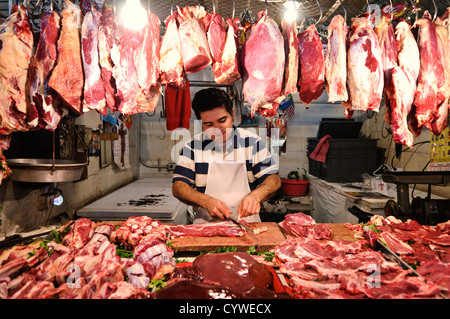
211, 98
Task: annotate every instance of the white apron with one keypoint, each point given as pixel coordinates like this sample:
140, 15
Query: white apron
227, 182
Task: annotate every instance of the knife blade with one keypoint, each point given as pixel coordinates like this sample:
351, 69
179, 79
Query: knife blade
400, 260
241, 224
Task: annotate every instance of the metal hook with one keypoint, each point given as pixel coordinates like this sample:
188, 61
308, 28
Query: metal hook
171, 8
234, 9
345, 10
391, 9
266, 6
435, 11
321, 12
214, 5
417, 13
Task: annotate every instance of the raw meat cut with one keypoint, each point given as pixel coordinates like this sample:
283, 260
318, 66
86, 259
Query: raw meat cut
94, 92
292, 57
138, 229
302, 225
336, 60
216, 36
443, 44
222, 268
219, 228
365, 67
41, 99
171, 62
262, 74
107, 39
67, 78
431, 75
404, 79
388, 45
226, 70
397, 246
136, 68
312, 65
194, 43
189, 289
16, 45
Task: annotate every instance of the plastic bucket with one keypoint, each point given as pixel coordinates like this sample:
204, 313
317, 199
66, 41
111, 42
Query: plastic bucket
292, 187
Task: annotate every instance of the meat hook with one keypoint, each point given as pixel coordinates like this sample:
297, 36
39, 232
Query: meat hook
234, 9
435, 11
321, 12
345, 10
171, 8
416, 11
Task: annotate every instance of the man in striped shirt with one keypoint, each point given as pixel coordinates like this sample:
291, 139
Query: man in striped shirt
223, 171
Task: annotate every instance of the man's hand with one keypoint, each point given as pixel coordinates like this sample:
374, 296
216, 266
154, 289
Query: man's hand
217, 208
250, 205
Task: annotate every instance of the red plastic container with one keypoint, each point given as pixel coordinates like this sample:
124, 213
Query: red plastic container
292, 187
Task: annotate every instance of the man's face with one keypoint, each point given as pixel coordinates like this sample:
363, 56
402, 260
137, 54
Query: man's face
215, 123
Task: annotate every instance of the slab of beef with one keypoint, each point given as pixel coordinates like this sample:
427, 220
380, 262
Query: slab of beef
292, 57
365, 67
403, 83
107, 39
428, 95
263, 74
216, 36
336, 60
94, 92
443, 44
136, 68
48, 113
67, 78
16, 45
388, 45
194, 43
302, 225
138, 229
227, 69
171, 61
312, 65
219, 228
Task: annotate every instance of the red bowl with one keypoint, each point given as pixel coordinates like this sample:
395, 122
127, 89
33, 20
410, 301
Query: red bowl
292, 187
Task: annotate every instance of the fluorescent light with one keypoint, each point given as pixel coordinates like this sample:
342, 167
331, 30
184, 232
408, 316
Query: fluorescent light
291, 5
133, 15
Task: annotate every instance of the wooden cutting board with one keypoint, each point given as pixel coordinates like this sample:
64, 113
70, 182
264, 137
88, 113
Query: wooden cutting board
264, 241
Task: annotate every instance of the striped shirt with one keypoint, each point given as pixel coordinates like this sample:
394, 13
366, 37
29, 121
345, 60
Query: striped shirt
242, 146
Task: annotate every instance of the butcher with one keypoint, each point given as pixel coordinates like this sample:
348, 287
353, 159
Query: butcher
224, 171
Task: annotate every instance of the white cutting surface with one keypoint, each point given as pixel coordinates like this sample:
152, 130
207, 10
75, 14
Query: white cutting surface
148, 196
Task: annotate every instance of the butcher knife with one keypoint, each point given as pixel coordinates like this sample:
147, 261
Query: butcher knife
401, 261
241, 224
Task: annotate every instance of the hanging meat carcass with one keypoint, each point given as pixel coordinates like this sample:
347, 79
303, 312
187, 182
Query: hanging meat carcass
292, 56
428, 95
262, 60
42, 64
312, 65
136, 68
388, 45
194, 43
107, 39
94, 92
443, 45
216, 36
67, 78
403, 83
336, 60
16, 45
364, 67
226, 71
171, 61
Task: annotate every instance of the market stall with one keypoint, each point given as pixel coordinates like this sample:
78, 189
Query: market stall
102, 184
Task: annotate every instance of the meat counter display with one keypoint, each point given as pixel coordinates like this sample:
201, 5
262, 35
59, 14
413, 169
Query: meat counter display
140, 258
